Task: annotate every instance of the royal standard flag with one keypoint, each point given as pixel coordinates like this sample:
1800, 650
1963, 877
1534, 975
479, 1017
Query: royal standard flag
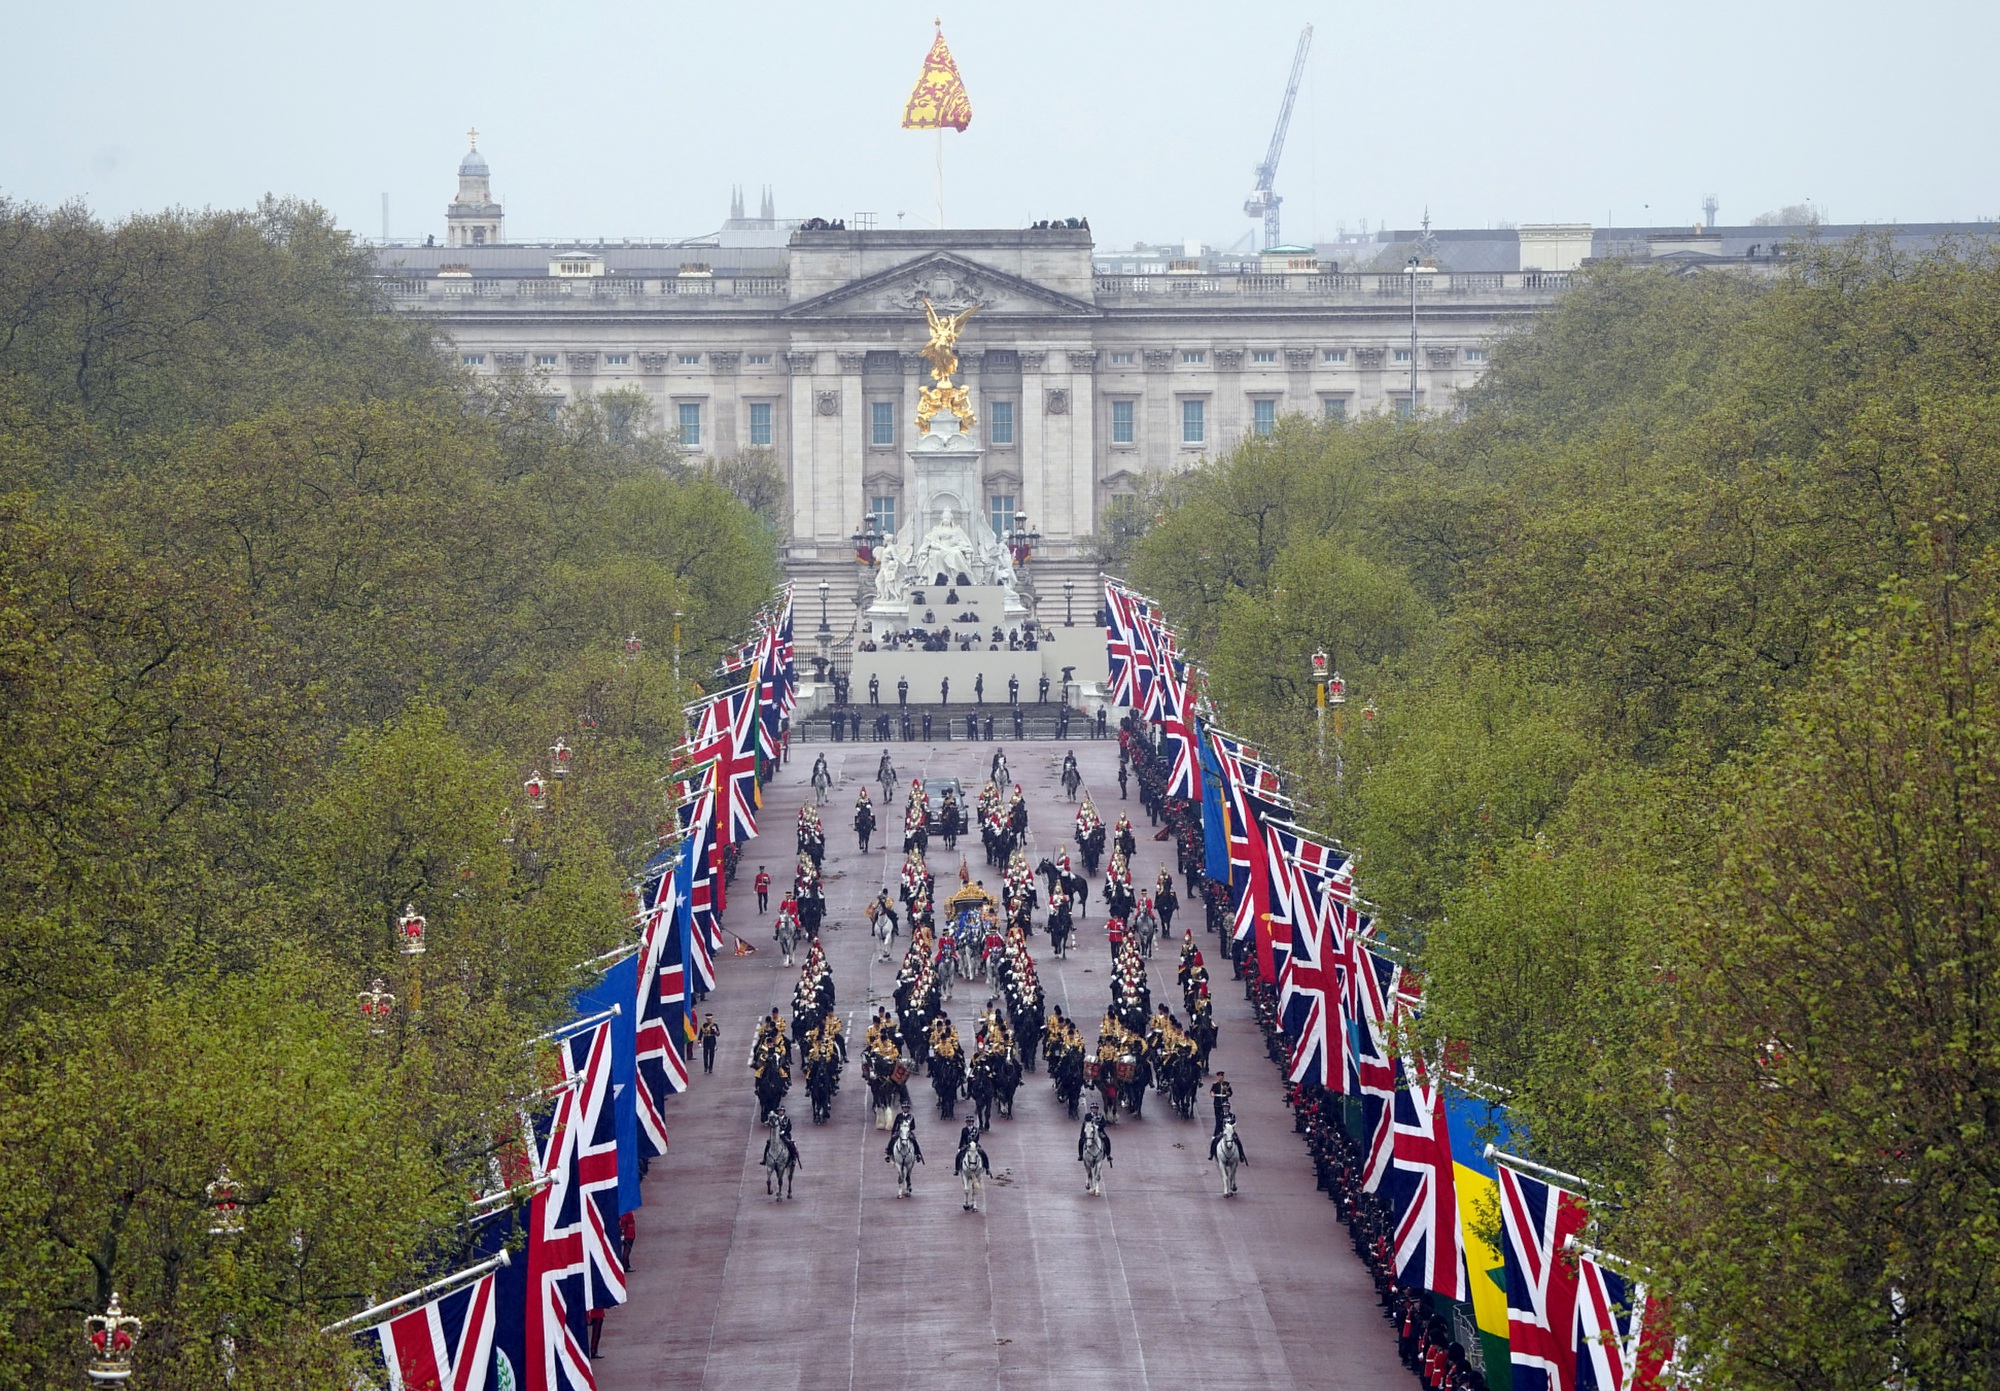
940, 98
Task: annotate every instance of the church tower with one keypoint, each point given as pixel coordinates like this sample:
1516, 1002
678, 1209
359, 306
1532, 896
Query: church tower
473, 219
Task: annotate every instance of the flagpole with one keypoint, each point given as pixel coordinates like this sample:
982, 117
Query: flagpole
469, 1273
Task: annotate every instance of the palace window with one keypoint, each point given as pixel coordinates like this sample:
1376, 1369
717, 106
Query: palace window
1121, 359
1194, 424
472, 360
618, 359
1333, 355
759, 359
1405, 407
1263, 415
1124, 429
1000, 422
690, 418
1000, 511
882, 512
1264, 355
689, 359
760, 422
882, 424
1194, 358
1475, 354
1401, 355
545, 359
1336, 407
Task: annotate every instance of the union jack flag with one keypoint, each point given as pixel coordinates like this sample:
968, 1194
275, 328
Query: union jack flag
1250, 793
446, 1345
1118, 644
1145, 661
594, 1153
1309, 990
1537, 1219
661, 1065
1621, 1342
1177, 731
556, 1359
697, 877
1423, 1187
1377, 981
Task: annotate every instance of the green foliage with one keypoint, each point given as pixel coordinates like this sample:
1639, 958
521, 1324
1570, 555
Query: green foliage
1635, 823
1834, 1046
287, 613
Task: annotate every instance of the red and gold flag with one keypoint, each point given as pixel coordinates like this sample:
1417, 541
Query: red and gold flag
939, 99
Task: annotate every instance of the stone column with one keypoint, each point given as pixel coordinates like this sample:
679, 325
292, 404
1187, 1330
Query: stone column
802, 442
1298, 383
724, 406
1160, 432
1227, 405
847, 462
1079, 492
1040, 448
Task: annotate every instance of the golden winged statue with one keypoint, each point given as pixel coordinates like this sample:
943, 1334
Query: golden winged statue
942, 354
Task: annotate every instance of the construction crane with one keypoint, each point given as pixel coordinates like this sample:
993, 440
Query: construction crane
1263, 202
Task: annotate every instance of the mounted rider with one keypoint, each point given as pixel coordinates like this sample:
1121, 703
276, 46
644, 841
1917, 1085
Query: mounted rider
904, 1124
1094, 1120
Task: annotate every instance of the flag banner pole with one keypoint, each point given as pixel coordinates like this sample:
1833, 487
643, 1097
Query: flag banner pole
1514, 1161
577, 1026
472, 1272
612, 957
492, 1202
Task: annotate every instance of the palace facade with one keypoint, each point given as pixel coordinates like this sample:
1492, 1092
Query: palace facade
802, 339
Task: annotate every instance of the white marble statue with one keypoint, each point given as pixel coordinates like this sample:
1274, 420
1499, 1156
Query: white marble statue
947, 551
905, 563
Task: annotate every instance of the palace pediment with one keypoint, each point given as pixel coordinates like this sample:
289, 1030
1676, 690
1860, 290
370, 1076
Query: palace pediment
951, 283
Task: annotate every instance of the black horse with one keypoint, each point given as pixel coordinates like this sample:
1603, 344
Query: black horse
947, 1074
822, 1081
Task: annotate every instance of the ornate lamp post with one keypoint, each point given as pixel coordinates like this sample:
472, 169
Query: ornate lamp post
559, 756
826, 629
1320, 671
112, 1335
225, 1204
678, 616
634, 645
1022, 538
376, 1006
1069, 600
537, 790
410, 931
866, 538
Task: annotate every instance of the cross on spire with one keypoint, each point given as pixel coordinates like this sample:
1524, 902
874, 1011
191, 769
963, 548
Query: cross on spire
473, 136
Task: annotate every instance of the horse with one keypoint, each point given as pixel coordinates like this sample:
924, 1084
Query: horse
1182, 1077
822, 783
980, 1087
1094, 1160
1071, 780
779, 1165
972, 1170
787, 934
903, 1154
1229, 1157
1005, 1083
772, 1084
1067, 1077
822, 1080
946, 1075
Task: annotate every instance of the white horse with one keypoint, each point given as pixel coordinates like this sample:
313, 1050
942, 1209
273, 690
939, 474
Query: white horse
884, 929
1094, 1160
903, 1154
972, 1170
779, 1166
822, 782
947, 972
787, 933
1229, 1157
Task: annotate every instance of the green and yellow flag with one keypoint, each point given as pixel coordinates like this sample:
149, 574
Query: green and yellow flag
939, 99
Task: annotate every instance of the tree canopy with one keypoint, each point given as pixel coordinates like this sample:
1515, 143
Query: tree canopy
1679, 634
288, 610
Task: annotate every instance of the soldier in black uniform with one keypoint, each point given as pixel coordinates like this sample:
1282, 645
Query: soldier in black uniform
1095, 1118
1225, 1114
710, 1035
979, 689
904, 1122
1042, 695
874, 690
903, 690
1219, 1092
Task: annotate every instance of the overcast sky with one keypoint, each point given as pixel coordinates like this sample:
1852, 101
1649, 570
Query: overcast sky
614, 118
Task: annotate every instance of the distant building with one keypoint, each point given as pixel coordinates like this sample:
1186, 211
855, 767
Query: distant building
1088, 378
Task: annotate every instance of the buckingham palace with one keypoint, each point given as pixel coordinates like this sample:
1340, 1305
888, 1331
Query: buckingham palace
1088, 370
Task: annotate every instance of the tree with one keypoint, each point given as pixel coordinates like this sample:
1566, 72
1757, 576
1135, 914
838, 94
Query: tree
1828, 1201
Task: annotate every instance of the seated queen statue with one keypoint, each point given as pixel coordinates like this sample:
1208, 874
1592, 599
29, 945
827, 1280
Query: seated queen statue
947, 553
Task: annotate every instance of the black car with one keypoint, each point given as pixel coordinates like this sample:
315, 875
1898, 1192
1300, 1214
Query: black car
935, 788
